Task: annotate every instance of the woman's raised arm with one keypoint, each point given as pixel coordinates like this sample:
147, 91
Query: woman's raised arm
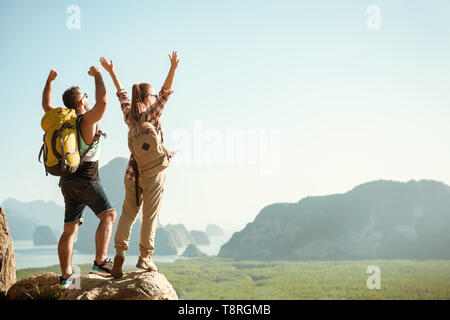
110, 68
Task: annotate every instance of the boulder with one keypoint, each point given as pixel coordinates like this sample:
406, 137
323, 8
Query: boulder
136, 285
41, 286
7, 261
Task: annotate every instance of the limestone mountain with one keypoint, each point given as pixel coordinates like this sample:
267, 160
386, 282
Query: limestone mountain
164, 242
44, 236
375, 220
193, 252
214, 230
199, 237
20, 226
36, 212
180, 234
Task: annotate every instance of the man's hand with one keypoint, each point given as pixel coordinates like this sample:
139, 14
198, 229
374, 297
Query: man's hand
47, 94
108, 66
52, 75
93, 71
173, 60
94, 115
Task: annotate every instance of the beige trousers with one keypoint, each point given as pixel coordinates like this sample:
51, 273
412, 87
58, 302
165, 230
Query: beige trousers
151, 192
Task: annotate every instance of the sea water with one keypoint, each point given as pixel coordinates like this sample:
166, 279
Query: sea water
27, 255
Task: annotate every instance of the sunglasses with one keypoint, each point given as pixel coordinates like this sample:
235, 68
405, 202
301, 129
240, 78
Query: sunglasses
84, 96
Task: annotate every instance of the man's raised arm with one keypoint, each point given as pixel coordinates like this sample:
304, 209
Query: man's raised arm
47, 94
96, 113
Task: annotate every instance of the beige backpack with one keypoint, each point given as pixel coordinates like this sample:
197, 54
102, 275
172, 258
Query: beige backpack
149, 154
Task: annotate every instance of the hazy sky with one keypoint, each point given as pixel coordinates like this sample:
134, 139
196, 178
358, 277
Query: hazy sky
347, 104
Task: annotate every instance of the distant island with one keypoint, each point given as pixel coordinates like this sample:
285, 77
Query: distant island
375, 220
44, 236
214, 230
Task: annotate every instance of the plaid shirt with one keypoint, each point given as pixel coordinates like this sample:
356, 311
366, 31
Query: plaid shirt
153, 115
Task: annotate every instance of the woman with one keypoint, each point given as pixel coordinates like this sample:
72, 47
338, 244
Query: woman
145, 173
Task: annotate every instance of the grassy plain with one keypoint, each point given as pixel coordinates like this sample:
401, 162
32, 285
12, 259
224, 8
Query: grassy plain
216, 278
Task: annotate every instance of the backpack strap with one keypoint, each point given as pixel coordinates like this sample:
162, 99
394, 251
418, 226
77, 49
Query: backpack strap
136, 179
165, 151
43, 152
63, 153
95, 141
58, 134
40, 153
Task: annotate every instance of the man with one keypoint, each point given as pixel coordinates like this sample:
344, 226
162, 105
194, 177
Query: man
83, 188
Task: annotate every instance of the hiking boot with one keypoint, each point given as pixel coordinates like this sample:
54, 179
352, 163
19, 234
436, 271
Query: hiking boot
103, 269
116, 270
65, 283
146, 264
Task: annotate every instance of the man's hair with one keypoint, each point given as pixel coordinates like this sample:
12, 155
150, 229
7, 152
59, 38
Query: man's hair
69, 97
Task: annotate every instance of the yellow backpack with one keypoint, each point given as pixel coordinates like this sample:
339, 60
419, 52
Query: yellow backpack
60, 148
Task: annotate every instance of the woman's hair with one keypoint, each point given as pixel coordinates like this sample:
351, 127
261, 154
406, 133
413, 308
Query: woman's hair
139, 93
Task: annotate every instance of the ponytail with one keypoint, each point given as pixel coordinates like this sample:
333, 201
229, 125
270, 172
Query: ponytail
138, 94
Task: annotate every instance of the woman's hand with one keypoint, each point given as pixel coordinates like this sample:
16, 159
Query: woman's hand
173, 60
108, 66
173, 66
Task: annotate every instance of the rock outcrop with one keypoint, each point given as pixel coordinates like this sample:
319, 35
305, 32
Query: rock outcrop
42, 286
44, 236
7, 260
136, 285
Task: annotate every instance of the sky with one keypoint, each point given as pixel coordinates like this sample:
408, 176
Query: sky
329, 102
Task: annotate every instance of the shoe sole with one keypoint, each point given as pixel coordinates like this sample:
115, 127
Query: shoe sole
116, 270
117, 275
63, 287
146, 269
104, 274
